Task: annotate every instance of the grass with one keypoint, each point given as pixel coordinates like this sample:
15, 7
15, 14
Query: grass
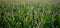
29, 15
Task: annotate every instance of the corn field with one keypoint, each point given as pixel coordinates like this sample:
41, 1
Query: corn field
29, 15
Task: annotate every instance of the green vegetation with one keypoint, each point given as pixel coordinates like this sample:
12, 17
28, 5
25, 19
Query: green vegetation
29, 15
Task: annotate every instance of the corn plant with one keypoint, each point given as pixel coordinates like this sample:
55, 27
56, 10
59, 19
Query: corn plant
34, 15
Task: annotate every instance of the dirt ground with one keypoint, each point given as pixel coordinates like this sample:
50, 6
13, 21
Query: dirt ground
24, 1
